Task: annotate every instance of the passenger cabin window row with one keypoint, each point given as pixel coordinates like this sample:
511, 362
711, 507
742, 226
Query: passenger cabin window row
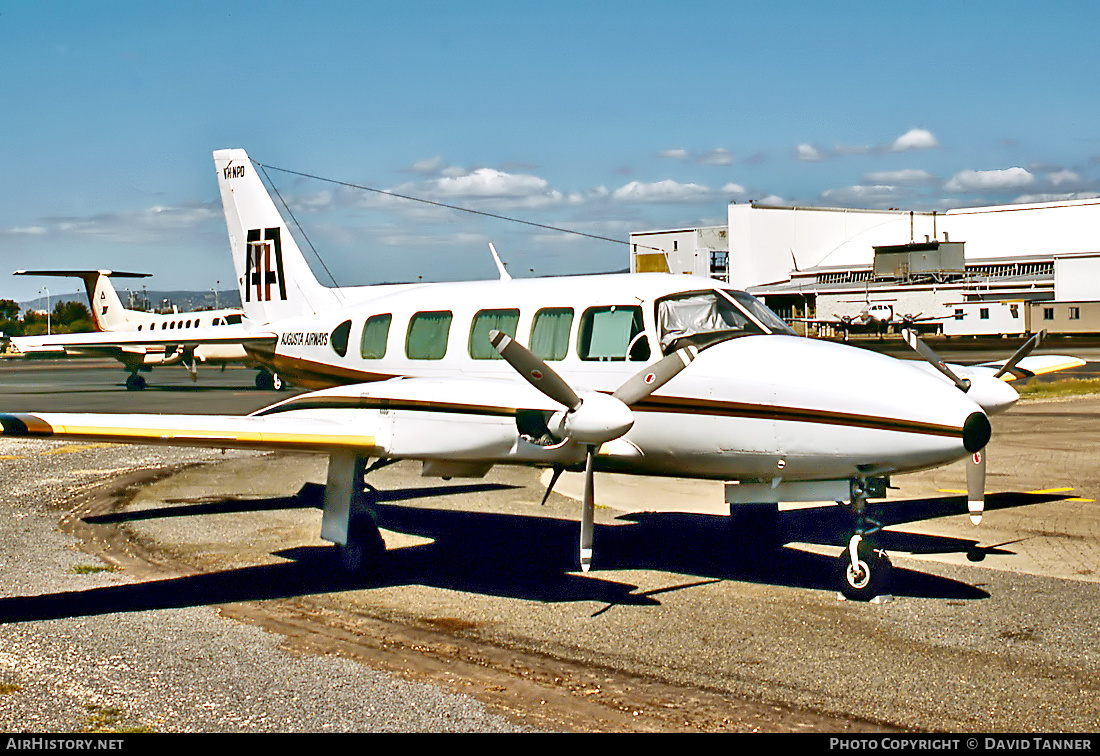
605, 333
197, 323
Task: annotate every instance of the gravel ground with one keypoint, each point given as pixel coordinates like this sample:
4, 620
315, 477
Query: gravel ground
170, 670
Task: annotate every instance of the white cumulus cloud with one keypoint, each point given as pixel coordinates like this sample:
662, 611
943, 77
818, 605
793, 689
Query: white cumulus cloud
808, 153
1007, 179
915, 139
907, 176
659, 191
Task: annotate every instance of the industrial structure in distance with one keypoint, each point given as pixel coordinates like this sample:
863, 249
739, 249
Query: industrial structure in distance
1000, 270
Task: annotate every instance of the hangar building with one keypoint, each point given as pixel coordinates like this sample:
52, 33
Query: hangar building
1003, 269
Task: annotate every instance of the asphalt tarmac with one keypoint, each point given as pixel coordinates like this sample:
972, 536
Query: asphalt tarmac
188, 591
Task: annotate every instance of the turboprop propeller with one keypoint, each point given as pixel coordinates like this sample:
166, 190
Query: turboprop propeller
590, 418
975, 468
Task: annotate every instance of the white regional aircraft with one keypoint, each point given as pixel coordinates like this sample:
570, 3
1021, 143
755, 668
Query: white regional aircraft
110, 316
650, 374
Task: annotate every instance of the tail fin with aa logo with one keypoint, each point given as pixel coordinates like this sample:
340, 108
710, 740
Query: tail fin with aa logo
274, 278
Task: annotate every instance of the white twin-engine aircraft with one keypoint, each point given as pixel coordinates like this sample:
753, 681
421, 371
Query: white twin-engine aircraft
650, 374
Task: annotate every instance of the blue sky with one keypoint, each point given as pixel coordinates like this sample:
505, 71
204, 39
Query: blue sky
601, 117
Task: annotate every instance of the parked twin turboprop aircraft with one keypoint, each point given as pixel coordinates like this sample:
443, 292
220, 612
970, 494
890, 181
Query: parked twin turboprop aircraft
111, 316
650, 374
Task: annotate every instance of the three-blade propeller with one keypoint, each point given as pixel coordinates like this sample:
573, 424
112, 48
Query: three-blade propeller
590, 418
975, 468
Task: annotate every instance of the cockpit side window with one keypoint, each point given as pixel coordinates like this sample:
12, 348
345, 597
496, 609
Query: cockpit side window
612, 333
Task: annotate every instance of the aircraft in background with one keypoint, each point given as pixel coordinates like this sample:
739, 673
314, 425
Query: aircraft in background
877, 317
111, 316
649, 374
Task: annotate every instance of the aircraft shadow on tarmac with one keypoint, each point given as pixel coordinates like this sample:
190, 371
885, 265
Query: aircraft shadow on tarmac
535, 557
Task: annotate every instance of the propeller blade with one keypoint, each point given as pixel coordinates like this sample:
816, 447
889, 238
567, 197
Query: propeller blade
534, 370
558, 470
642, 384
588, 510
975, 486
932, 358
1022, 352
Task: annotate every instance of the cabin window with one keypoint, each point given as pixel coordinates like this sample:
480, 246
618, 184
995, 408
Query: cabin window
1048, 313
983, 313
139, 326
959, 313
376, 332
612, 333
232, 319
427, 337
338, 339
550, 332
1074, 313
188, 324
505, 321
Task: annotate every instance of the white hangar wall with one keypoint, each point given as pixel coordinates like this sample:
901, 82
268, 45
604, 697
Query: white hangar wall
767, 244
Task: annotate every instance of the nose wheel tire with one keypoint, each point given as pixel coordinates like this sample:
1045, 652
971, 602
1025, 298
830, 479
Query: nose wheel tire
865, 577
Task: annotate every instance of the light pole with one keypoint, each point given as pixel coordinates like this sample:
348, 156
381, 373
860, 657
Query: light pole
49, 327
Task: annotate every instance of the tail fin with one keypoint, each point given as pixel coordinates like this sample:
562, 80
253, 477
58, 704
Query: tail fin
108, 314
274, 278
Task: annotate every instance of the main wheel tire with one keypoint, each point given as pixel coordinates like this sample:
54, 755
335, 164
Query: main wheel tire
135, 382
364, 550
264, 381
870, 575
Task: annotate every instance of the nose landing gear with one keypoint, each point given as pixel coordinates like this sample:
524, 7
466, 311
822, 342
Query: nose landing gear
863, 570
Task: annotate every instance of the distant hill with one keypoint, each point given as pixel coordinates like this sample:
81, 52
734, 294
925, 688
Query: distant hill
156, 300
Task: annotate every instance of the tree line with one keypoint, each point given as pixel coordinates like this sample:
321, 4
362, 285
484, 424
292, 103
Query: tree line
66, 317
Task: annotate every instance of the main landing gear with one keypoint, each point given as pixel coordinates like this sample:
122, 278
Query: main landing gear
348, 520
862, 569
135, 382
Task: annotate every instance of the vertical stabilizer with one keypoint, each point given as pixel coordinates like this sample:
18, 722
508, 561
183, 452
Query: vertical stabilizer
106, 308
274, 278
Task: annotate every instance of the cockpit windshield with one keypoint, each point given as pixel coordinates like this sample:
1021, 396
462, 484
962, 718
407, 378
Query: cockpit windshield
706, 317
760, 312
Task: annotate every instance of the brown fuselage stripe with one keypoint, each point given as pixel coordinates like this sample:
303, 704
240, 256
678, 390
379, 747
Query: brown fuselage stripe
669, 405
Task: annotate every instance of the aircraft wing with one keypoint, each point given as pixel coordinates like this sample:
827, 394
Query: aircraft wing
450, 419
1041, 364
107, 340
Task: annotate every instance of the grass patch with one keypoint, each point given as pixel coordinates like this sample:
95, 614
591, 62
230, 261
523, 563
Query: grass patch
108, 719
1057, 389
91, 569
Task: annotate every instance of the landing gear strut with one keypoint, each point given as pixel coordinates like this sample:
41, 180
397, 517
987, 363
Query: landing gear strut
862, 569
348, 520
